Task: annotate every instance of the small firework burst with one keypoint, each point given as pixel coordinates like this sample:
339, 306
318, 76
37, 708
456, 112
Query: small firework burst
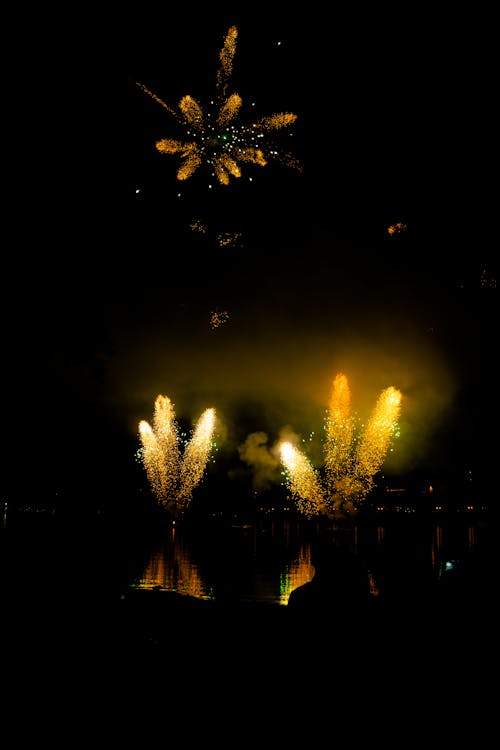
229, 239
218, 318
397, 228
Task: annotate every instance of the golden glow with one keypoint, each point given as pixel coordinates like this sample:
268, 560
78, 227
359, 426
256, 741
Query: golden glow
351, 460
397, 228
173, 476
213, 138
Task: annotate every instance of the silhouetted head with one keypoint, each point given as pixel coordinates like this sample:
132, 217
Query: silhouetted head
336, 565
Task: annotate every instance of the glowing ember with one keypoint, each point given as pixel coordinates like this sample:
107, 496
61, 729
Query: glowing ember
218, 318
397, 228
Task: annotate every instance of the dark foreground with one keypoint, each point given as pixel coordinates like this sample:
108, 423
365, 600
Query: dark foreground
69, 594
87, 660
152, 666
458, 613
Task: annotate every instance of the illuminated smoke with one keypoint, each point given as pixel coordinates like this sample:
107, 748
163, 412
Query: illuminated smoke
351, 457
216, 138
173, 475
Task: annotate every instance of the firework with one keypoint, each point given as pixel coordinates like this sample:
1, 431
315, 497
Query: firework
351, 459
218, 318
303, 480
173, 475
339, 430
397, 228
376, 438
217, 138
196, 455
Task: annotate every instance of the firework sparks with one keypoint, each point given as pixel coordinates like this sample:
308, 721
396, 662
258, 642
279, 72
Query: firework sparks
218, 318
376, 438
217, 139
196, 455
303, 480
196, 225
397, 228
351, 460
339, 430
229, 239
172, 475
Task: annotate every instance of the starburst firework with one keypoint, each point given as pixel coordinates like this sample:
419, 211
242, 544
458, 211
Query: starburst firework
216, 138
351, 459
173, 475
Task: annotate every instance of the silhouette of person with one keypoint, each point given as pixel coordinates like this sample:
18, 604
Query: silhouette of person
340, 586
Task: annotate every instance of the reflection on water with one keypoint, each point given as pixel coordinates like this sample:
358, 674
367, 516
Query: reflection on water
300, 571
266, 560
249, 562
171, 568
258, 562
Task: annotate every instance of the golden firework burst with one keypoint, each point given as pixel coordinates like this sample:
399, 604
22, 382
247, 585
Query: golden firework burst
217, 138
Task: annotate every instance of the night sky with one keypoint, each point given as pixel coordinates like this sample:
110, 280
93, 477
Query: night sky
112, 268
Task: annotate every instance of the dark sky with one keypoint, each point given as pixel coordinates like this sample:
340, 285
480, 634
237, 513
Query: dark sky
113, 268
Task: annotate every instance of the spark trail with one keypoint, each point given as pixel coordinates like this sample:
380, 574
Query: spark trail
174, 475
352, 458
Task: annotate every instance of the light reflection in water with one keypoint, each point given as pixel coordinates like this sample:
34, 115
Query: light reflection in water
437, 546
448, 546
471, 537
300, 571
171, 568
247, 562
266, 562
